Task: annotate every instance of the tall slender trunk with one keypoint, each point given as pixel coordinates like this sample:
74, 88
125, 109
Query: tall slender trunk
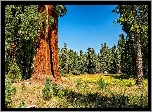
13, 50
31, 61
138, 58
138, 50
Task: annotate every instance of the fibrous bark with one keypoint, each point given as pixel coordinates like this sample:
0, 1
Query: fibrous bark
138, 59
138, 49
53, 37
47, 60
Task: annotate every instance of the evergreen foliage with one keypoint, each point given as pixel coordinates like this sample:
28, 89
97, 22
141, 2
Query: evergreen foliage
14, 73
21, 25
9, 91
134, 21
47, 92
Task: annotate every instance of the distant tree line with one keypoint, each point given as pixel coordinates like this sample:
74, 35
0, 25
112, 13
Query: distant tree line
120, 59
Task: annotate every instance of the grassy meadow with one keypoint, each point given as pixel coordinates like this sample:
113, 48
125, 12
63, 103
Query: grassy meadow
83, 91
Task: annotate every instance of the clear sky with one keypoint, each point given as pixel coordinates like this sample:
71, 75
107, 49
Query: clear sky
86, 26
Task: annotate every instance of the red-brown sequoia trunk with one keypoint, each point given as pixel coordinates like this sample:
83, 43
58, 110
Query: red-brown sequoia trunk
53, 36
46, 62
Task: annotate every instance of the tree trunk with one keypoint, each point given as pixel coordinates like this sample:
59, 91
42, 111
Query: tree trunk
53, 39
31, 61
13, 51
138, 50
47, 61
138, 59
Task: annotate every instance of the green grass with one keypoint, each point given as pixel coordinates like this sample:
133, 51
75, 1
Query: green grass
86, 91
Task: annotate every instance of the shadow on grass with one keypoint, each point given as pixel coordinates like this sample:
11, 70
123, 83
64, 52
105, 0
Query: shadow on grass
95, 100
124, 76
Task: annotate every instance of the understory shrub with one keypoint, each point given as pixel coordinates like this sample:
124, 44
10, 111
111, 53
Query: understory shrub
47, 92
101, 83
14, 73
78, 84
9, 91
21, 104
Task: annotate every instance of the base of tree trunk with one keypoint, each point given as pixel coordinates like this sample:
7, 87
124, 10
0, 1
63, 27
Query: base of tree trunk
43, 79
139, 80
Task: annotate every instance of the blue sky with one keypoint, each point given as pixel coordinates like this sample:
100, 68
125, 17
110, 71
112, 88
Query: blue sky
86, 26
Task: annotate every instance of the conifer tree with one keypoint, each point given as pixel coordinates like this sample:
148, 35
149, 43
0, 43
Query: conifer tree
121, 53
113, 60
104, 57
134, 20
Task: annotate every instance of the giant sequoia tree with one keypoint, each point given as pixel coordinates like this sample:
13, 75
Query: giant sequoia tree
47, 60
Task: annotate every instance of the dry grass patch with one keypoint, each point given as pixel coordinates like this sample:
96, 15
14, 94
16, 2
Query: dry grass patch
82, 91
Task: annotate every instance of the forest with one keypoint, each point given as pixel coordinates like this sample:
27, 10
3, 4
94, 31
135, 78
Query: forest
39, 74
